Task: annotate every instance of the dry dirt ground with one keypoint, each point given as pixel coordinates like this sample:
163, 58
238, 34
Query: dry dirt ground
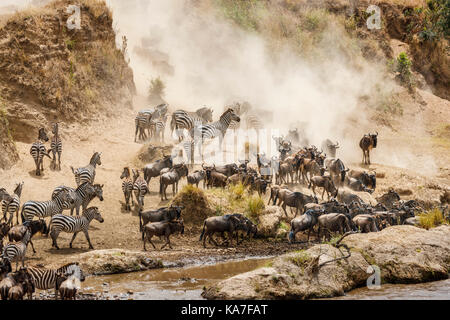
114, 137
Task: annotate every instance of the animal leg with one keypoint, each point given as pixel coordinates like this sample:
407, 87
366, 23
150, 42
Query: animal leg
86, 233
73, 238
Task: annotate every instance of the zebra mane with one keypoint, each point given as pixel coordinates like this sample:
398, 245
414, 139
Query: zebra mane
94, 158
18, 189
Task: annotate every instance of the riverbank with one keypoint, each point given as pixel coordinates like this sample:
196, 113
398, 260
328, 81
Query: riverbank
404, 254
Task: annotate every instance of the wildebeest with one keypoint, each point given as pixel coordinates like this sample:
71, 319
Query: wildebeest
196, 177
312, 167
367, 143
337, 171
273, 193
153, 169
11, 280
330, 148
161, 214
296, 200
368, 179
221, 224
305, 222
388, 199
162, 228
348, 197
245, 225
324, 182
228, 169
214, 178
365, 222
18, 232
172, 177
356, 185
332, 222
259, 185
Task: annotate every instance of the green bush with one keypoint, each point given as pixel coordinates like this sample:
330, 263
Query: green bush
432, 218
404, 69
255, 205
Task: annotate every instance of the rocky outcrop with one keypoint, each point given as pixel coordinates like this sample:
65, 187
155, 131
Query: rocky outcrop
269, 221
49, 72
112, 261
404, 254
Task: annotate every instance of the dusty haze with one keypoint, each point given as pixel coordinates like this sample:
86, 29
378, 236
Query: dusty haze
205, 60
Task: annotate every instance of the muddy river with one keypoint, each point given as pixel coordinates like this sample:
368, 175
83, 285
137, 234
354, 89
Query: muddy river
188, 282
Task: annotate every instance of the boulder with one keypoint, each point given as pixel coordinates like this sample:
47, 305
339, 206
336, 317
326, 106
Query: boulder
269, 221
403, 254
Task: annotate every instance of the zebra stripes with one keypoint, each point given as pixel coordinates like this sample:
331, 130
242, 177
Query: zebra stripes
188, 120
87, 173
218, 128
42, 209
38, 151
45, 279
142, 122
144, 117
16, 251
82, 196
56, 146
158, 127
127, 187
12, 206
61, 223
140, 188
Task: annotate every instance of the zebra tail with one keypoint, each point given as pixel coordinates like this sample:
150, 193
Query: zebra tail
203, 232
73, 170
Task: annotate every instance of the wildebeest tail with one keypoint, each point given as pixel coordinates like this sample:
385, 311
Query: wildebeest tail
203, 231
21, 214
140, 220
160, 185
276, 197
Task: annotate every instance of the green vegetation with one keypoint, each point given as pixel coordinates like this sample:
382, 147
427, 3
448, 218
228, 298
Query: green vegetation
404, 68
284, 226
255, 205
301, 258
431, 218
156, 87
431, 23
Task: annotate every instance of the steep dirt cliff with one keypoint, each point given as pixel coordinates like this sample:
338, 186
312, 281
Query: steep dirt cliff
51, 73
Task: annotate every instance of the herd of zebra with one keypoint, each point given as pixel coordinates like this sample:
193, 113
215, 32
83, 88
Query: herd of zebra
65, 280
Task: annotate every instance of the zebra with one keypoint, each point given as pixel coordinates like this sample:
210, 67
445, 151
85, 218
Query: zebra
15, 251
157, 128
188, 120
142, 121
13, 205
143, 118
61, 223
127, 187
42, 209
218, 128
140, 188
38, 151
56, 146
45, 279
82, 196
87, 173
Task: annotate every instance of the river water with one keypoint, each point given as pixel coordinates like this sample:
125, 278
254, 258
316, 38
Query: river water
187, 284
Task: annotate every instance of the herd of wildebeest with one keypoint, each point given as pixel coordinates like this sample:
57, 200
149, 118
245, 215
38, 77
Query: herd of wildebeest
321, 171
